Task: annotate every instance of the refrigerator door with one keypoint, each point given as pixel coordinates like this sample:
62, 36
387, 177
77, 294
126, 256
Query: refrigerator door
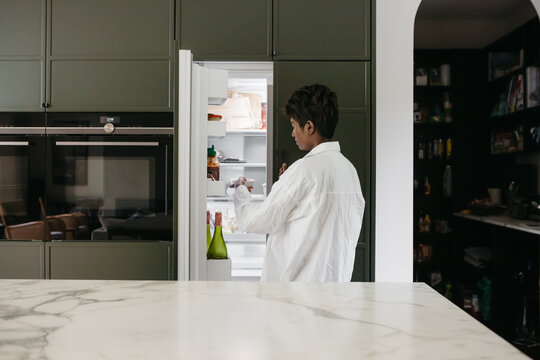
197, 86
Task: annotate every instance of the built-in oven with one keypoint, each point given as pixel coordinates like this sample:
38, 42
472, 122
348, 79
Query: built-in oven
22, 173
110, 176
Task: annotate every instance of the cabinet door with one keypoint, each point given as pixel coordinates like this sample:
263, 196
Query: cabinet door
226, 30
111, 55
322, 30
22, 55
351, 82
22, 259
109, 260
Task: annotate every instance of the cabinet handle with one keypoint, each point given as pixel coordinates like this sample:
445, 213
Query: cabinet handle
273, 52
45, 105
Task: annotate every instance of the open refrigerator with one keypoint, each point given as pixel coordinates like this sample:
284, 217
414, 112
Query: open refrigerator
241, 93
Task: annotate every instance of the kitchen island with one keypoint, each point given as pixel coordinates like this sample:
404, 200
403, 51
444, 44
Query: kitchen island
72, 319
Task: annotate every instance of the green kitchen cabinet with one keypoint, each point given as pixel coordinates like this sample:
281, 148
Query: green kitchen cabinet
351, 82
22, 259
226, 30
78, 55
22, 55
322, 30
109, 260
110, 55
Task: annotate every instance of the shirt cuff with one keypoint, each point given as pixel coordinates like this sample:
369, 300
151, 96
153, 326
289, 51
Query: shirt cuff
241, 196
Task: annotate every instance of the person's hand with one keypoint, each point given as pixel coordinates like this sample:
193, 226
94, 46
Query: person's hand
242, 181
282, 169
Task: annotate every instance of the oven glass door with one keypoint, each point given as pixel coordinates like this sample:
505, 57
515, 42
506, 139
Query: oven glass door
22, 169
110, 187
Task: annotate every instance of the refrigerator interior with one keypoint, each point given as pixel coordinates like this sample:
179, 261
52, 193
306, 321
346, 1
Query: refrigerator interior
245, 150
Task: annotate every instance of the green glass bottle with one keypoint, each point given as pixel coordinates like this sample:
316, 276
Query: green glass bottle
208, 235
217, 248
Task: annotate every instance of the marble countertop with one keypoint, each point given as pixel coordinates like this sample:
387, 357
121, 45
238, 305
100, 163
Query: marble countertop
72, 319
529, 226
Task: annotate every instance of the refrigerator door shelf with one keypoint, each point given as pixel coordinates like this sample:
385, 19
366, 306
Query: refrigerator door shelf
218, 269
216, 129
215, 188
218, 85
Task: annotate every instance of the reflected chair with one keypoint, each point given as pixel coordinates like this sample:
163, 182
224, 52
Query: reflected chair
34, 230
55, 228
17, 224
82, 224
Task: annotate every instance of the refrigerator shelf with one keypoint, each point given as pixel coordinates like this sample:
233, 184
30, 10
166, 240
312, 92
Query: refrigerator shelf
235, 164
248, 132
226, 198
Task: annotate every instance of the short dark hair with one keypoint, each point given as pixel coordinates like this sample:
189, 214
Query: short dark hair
316, 103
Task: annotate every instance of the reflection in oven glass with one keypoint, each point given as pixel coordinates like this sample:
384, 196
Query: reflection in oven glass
110, 197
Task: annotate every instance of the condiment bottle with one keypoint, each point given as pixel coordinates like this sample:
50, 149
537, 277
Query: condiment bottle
212, 166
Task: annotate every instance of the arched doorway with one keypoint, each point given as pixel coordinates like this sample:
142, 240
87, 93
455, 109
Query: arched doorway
476, 88
393, 108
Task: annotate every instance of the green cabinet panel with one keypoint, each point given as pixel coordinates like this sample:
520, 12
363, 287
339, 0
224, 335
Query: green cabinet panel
90, 85
111, 28
322, 30
21, 85
351, 82
226, 30
22, 55
21, 27
109, 261
22, 259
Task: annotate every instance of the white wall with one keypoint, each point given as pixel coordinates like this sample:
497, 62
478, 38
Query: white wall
394, 138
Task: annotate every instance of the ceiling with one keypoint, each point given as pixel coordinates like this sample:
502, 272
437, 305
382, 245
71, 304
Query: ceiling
487, 10
468, 24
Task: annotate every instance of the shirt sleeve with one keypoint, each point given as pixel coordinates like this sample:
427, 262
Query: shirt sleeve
268, 216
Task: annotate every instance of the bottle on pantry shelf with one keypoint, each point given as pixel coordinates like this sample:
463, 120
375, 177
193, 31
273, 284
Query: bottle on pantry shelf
427, 223
416, 184
448, 148
429, 149
217, 248
435, 148
447, 181
440, 148
427, 186
447, 105
421, 148
212, 165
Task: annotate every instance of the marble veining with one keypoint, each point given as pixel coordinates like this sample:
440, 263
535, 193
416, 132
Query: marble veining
72, 319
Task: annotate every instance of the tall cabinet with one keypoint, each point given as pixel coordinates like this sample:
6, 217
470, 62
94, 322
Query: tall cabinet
329, 43
309, 42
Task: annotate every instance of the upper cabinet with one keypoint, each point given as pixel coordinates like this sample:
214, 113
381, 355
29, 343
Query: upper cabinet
322, 30
22, 55
113, 55
226, 30
78, 55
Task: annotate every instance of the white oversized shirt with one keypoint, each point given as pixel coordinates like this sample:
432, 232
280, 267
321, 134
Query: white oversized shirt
313, 216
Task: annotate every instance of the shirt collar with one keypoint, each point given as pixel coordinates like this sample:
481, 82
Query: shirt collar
323, 147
